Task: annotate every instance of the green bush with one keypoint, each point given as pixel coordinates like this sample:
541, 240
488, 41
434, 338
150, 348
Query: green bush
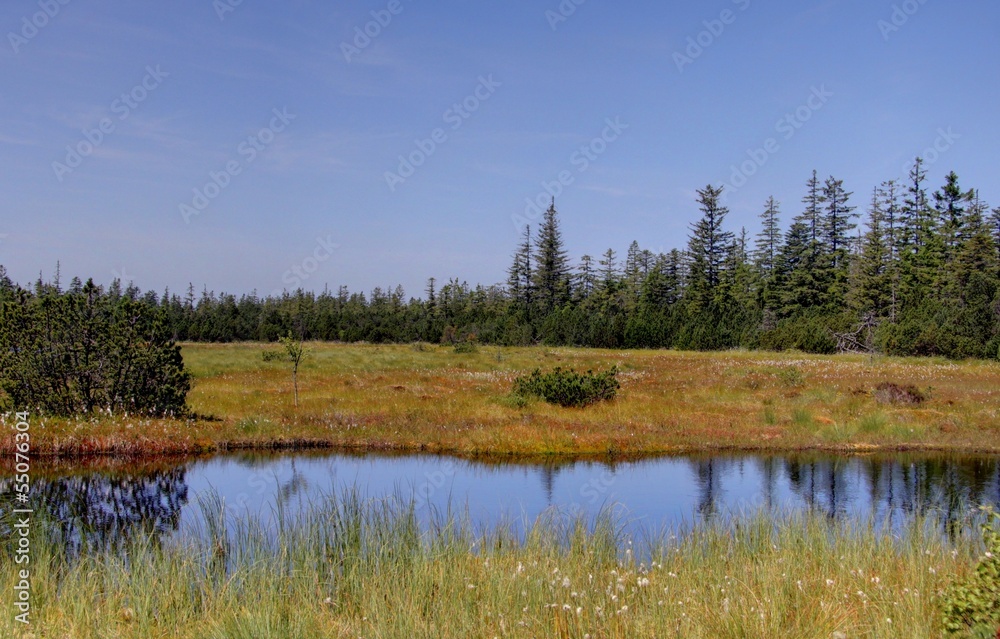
466, 348
85, 351
569, 388
972, 607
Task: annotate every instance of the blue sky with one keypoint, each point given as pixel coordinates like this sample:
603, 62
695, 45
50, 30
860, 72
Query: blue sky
270, 101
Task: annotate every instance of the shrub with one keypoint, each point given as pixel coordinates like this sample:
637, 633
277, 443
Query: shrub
890, 393
569, 388
466, 347
84, 351
972, 606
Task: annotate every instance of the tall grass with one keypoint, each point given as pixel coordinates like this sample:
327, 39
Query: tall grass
353, 567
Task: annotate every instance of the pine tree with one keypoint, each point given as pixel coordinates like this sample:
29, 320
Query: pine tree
520, 278
977, 253
838, 222
795, 271
609, 270
922, 259
838, 225
586, 278
950, 205
917, 217
769, 239
633, 272
660, 288
870, 290
995, 226
813, 213
708, 245
889, 206
551, 277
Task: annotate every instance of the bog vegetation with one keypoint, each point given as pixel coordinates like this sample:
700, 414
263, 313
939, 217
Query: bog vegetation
352, 567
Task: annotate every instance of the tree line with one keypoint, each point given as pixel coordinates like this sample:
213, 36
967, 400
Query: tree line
918, 275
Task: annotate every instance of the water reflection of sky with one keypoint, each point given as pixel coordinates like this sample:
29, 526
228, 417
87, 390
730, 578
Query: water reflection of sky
650, 494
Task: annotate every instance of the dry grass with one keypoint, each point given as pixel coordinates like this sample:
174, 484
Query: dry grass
433, 399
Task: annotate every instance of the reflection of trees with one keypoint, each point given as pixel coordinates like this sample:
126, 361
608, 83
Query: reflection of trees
104, 511
896, 487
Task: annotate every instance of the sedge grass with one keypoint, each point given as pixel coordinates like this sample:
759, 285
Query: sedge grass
353, 567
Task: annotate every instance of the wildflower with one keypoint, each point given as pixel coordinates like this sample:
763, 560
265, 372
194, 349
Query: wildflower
829, 582
565, 582
643, 582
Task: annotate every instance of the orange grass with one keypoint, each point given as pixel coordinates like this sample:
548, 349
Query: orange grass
429, 398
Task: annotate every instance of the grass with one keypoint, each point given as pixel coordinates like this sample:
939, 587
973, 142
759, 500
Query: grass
350, 567
428, 398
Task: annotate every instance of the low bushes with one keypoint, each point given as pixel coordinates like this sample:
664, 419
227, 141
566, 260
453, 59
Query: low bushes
569, 388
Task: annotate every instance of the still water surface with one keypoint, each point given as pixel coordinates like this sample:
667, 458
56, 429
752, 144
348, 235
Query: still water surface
648, 495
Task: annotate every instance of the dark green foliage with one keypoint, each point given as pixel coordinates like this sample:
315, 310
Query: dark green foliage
85, 351
568, 388
972, 607
805, 333
466, 347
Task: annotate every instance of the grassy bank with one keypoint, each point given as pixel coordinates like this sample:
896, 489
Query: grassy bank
356, 568
428, 397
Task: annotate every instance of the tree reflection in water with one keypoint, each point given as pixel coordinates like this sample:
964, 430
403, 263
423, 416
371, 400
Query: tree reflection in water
96, 511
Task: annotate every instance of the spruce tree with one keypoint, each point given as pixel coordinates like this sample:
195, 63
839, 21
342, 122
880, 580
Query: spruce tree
888, 195
586, 278
633, 272
520, 278
950, 205
551, 277
838, 221
708, 245
769, 239
870, 291
995, 226
609, 270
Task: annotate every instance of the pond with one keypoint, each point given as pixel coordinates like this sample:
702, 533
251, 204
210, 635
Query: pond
647, 495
